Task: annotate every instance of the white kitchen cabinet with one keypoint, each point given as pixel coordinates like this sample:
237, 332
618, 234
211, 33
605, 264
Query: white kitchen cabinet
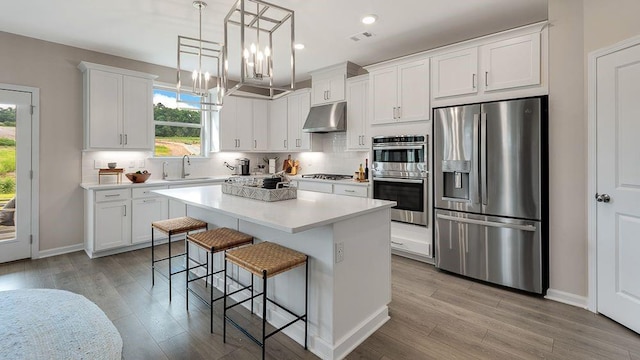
323, 187
511, 63
502, 65
357, 113
146, 208
329, 187
236, 124
350, 190
400, 92
455, 73
118, 108
112, 221
328, 88
278, 123
298, 105
260, 125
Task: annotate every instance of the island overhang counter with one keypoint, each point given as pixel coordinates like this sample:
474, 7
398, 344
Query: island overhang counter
348, 243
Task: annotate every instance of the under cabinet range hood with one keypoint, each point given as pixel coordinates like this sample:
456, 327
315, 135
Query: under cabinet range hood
326, 118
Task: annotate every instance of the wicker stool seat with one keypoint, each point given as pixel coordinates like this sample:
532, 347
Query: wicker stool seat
212, 241
175, 226
266, 260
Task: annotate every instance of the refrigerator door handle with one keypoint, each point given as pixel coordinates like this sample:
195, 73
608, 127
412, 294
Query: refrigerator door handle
483, 157
475, 186
486, 223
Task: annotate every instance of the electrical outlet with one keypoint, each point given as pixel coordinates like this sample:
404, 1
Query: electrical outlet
97, 164
339, 252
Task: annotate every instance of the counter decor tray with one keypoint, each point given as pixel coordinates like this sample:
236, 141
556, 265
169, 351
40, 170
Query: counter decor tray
258, 193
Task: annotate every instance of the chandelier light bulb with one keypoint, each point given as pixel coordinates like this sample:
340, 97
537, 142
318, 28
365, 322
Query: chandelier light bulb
194, 75
253, 48
267, 51
207, 76
245, 54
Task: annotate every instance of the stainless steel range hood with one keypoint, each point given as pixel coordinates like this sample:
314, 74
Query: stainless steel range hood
326, 118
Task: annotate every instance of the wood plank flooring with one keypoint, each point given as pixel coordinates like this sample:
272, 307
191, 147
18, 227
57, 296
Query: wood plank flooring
434, 315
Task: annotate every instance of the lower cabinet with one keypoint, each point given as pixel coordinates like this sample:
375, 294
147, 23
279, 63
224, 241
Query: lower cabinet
112, 224
332, 188
145, 209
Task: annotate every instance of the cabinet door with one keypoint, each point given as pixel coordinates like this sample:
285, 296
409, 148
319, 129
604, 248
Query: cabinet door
227, 116
455, 73
244, 123
383, 96
112, 225
304, 106
144, 212
104, 110
357, 107
260, 125
293, 131
320, 90
138, 113
413, 91
278, 129
511, 63
336, 88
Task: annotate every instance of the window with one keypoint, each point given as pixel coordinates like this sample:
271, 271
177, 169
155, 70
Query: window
179, 129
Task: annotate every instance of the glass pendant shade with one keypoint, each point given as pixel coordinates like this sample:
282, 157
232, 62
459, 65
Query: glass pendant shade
199, 68
258, 49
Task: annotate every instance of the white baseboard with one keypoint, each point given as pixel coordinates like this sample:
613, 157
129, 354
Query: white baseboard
567, 298
59, 251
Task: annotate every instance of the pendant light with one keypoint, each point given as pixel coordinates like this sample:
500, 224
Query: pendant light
254, 24
202, 60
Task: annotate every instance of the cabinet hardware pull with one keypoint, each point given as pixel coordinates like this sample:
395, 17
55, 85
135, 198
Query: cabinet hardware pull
399, 112
112, 195
285, 143
125, 210
120, 139
328, 94
394, 112
349, 191
396, 243
255, 144
473, 80
486, 78
149, 201
125, 139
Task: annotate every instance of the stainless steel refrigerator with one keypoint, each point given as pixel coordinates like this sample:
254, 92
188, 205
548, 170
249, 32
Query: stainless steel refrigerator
490, 192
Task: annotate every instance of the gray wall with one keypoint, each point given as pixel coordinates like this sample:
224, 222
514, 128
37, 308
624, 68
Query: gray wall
53, 69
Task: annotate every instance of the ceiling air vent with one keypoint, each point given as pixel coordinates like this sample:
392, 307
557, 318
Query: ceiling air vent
361, 36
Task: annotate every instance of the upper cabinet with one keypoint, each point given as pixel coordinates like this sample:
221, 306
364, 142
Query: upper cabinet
328, 84
298, 105
511, 63
506, 65
278, 120
260, 125
455, 73
400, 92
118, 108
357, 113
236, 124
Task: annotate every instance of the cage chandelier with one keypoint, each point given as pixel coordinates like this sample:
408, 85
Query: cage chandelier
254, 56
202, 60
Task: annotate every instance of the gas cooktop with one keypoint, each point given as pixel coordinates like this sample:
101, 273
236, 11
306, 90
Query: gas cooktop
327, 176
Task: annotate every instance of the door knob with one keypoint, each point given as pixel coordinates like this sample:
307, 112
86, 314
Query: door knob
603, 198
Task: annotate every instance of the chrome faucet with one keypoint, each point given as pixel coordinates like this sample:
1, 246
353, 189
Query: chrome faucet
165, 174
184, 174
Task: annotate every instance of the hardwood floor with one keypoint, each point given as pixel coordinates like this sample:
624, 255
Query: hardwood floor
434, 315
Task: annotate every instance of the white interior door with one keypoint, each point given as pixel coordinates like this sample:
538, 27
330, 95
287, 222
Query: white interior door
15, 151
618, 186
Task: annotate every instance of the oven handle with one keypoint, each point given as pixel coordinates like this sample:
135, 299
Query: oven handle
398, 180
396, 147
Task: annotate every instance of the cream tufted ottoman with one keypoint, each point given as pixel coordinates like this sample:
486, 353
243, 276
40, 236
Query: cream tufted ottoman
55, 324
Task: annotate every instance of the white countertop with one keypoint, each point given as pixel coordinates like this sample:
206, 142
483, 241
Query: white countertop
153, 182
309, 210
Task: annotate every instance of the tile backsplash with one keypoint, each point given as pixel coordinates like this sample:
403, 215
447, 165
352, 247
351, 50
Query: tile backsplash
335, 159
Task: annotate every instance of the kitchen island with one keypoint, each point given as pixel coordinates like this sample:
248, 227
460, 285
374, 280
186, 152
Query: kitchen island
348, 243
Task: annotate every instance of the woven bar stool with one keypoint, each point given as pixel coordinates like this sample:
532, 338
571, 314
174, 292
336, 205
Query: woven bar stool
213, 241
265, 260
171, 227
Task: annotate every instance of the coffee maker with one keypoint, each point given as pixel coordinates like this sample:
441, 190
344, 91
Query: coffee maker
242, 167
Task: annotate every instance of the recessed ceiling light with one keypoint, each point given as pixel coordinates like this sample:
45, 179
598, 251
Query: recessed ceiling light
369, 19
298, 46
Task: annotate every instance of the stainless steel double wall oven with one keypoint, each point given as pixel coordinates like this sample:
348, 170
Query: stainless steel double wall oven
400, 173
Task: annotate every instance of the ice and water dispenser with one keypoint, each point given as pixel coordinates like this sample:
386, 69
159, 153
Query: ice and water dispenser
455, 174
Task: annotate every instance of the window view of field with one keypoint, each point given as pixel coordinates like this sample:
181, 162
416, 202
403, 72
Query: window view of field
7, 170
173, 139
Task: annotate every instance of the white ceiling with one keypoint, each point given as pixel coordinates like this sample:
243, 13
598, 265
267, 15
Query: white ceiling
147, 30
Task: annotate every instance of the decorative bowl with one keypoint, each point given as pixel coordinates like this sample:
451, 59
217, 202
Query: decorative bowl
112, 165
138, 178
